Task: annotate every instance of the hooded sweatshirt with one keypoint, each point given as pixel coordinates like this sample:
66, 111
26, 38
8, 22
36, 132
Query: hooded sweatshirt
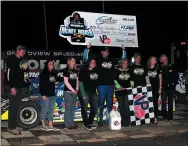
47, 82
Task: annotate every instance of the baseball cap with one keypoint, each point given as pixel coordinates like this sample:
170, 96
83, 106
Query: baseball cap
21, 47
136, 55
105, 49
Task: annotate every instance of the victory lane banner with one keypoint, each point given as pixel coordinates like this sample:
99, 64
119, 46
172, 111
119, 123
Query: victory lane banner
141, 105
99, 29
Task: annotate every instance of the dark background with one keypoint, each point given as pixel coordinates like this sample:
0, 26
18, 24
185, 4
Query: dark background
158, 23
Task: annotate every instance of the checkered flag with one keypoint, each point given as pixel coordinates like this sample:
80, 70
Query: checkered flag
141, 105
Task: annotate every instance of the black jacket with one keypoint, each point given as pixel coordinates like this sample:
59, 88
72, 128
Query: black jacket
15, 74
47, 83
169, 77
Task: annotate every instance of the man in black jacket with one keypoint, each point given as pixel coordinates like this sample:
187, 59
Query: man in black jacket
169, 81
15, 78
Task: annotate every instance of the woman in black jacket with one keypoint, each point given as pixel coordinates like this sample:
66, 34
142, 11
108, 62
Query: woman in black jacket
155, 78
88, 81
47, 81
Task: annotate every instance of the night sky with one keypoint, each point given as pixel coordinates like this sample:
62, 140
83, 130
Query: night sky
158, 23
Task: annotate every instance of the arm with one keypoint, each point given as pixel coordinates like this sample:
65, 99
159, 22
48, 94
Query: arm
81, 87
124, 52
117, 85
86, 53
12, 71
77, 84
160, 83
66, 82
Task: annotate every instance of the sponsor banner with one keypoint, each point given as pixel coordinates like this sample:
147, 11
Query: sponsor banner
82, 28
36, 59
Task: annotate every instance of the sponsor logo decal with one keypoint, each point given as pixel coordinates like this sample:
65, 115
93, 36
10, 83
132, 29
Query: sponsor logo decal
128, 19
116, 123
76, 30
105, 20
141, 104
104, 39
33, 74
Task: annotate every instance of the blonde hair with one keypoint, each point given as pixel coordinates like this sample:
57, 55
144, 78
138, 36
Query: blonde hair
149, 62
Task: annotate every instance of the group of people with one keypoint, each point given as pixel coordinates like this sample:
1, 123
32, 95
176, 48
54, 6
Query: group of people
95, 84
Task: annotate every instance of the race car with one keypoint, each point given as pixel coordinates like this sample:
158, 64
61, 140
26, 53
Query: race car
28, 116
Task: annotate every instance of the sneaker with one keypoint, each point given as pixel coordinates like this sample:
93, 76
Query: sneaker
100, 124
155, 120
53, 129
88, 127
14, 131
44, 128
93, 126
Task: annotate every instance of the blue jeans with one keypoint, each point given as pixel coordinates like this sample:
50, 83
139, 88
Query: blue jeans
47, 106
105, 92
70, 102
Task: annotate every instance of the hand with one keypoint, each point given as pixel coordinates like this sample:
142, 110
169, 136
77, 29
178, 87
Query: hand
123, 47
25, 81
89, 46
13, 91
43, 97
75, 93
160, 91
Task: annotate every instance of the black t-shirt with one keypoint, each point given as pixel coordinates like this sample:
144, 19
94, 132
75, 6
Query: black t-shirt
72, 78
106, 71
169, 77
89, 79
138, 74
153, 74
123, 78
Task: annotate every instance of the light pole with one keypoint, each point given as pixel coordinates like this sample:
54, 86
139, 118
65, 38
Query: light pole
45, 25
103, 9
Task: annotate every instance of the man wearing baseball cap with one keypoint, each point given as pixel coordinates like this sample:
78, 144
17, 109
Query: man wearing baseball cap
15, 78
105, 89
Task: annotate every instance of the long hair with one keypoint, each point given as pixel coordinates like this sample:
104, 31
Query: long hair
149, 63
46, 65
69, 59
89, 61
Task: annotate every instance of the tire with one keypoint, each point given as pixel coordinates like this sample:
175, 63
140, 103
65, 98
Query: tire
28, 116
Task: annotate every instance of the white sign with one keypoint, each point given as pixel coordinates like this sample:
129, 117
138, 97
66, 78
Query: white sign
100, 29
